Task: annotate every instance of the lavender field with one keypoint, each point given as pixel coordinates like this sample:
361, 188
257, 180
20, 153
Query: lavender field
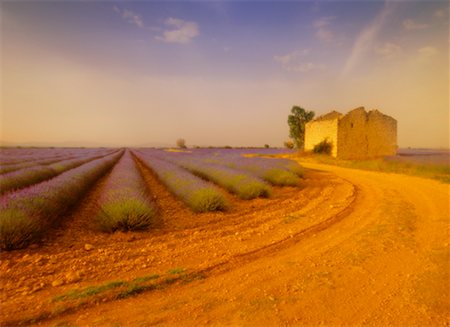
39, 187
423, 156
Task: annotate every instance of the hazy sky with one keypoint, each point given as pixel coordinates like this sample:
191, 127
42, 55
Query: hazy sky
218, 72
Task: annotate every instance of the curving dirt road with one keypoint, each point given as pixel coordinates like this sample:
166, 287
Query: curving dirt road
350, 248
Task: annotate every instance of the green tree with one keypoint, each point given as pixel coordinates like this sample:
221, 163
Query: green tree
289, 144
296, 121
181, 143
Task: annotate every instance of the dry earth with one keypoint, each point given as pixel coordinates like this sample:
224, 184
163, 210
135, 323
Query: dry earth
348, 247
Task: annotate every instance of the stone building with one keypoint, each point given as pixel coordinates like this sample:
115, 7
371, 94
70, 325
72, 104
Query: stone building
356, 135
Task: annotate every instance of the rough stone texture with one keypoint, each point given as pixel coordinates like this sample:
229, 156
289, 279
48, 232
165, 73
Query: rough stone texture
318, 130
352, 132
331, 115
382, 131
356, 135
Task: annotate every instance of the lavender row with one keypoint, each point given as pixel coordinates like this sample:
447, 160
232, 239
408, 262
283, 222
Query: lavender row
35, 174
275, 171
51, 157
30, 163
244, 185
196, 193
250, 156
13, 156
27, 213
125, 203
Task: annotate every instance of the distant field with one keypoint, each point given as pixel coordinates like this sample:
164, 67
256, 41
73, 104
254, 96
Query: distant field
426, 163
423, 156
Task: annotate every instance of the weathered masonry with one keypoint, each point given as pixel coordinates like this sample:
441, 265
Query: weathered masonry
356, 135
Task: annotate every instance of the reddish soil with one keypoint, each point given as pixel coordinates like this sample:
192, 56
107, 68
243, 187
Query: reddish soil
348, 247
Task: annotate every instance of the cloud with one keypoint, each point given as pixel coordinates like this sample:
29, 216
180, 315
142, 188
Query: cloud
305, 67
439, 13
291, 57
411, 25
427, 52
365, 39
129, 16
180, 31
323, 31
296, 62
323, 22
389, 50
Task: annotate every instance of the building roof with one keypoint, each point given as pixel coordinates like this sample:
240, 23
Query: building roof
330, 116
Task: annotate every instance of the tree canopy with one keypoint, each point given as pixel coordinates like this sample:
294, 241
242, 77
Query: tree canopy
181, 143
296, 121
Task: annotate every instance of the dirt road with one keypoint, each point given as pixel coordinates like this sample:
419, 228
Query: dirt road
350, 248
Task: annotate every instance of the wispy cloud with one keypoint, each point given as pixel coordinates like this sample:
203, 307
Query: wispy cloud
292, 56
411, 25
427, 52
296, 61
364, 41
439, 13
323, 30
179, 31
389, 50
129, 16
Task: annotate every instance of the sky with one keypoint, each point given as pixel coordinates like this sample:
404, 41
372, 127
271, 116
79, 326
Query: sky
216, 73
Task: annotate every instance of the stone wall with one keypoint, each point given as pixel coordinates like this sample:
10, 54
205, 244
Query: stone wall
357, 135
382, 135
318, 130
352, 135
363, 135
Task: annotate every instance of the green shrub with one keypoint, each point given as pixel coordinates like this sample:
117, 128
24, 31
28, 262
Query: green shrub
207, 199
245, 187
281, 177
253, 190
17, 229
289, 144
323, 147
125, 214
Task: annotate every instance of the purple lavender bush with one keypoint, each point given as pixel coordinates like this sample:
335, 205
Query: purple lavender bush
30, 163
243, 185
273, 171
238, 157
26, 214
276, 171
196, 193
125, 203
29, 176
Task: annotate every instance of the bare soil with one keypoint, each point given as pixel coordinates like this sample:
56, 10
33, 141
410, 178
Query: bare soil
348, 247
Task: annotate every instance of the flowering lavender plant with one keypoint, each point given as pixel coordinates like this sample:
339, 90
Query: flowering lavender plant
35, 174
274, 171
18, 156
124, 203
26, 214
198, 194
244, 185
15, 161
